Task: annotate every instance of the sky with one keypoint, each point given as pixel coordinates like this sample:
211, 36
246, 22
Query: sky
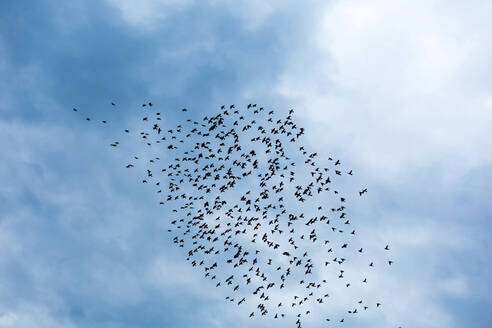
400, 91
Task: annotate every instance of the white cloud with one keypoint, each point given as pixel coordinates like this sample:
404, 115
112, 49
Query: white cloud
400, 84
401, 91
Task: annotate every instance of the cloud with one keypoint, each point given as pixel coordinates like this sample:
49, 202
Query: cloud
391, 81
398, 90
401, 92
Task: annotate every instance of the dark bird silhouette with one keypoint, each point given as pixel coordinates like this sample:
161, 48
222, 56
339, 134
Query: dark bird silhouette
240, 189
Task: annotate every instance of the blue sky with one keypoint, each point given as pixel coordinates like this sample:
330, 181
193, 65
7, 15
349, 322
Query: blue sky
400, 91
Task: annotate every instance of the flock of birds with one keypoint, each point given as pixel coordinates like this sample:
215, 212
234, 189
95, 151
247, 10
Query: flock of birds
253, 209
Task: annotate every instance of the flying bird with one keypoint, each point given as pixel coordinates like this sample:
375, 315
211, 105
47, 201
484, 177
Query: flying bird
252, 206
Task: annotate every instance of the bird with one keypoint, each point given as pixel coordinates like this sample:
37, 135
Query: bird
235, 151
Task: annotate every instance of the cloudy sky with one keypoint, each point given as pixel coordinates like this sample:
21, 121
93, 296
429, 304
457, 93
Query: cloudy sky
401, 91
